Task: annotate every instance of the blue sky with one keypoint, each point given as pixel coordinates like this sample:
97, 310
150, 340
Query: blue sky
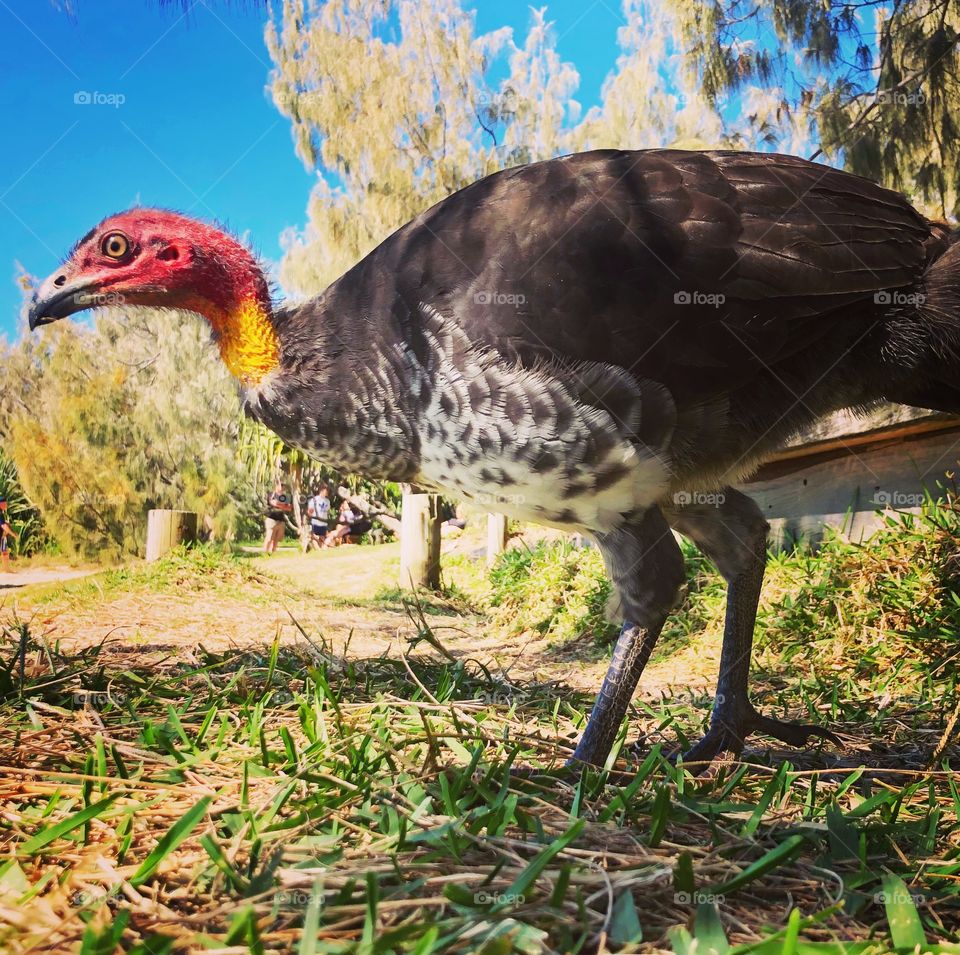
196, 129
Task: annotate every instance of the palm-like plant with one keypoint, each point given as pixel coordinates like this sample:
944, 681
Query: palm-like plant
24, 518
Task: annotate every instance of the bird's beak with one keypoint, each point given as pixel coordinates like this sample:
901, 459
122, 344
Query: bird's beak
57, 297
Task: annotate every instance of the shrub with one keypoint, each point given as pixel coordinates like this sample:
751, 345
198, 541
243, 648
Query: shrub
555, 589
107, 422
24, 518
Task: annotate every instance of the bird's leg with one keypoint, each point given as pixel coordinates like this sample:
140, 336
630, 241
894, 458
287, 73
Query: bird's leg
633, 649
646, 567
733, 534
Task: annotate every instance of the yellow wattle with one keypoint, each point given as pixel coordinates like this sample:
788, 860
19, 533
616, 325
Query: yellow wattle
248, 342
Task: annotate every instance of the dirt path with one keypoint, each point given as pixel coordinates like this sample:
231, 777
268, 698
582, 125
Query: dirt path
359, 573
346, 598
43, 575
351, 571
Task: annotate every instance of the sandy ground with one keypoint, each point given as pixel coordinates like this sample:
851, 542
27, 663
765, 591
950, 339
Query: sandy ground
331, 596
42, 575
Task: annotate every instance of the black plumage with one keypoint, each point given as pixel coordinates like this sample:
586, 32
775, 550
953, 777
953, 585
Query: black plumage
631, 328
588, 259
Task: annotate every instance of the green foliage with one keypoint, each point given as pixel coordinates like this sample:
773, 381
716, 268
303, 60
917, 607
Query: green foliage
212, 568
892, 605
889, 603
106, 422
877, 84
24, 518
554, 589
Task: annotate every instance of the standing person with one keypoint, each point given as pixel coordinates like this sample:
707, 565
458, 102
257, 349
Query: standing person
278, 506
318, 510
6, 534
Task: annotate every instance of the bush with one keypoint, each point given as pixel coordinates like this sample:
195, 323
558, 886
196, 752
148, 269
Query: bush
107, 422
555, 589
24, 518
892, 603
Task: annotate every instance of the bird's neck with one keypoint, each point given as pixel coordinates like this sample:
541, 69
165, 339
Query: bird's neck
247, 339
240, 312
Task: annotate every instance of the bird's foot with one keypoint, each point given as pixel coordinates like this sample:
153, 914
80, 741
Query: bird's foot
729, 730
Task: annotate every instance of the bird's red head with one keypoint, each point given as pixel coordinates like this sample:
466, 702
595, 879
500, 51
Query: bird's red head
163, 259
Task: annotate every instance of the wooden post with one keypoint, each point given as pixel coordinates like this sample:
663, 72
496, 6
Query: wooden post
420, 541
167, 529
496, 537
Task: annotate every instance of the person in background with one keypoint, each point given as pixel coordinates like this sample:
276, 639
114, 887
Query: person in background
318, 511
454, 520
458, 520
341, 532
6, 534
278, 506
360, 525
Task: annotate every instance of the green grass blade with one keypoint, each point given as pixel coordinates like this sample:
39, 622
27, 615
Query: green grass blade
906, 929
78, 819
174, 836
776, 857
522, 882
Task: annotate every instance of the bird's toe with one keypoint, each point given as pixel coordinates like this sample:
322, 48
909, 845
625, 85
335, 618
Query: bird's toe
794, 734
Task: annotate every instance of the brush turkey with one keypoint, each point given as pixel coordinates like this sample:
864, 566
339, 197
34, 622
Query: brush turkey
607, 341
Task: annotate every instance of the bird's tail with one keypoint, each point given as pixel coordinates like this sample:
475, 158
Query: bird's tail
924, 341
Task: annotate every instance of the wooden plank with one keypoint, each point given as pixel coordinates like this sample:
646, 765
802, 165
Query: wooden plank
496, 537
853, 428
167, 529
845, 490
420, 541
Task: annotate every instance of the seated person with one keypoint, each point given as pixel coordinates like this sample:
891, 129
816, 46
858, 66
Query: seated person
455, 523
360, 526
341, 532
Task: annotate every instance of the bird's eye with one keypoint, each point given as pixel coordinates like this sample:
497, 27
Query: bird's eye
115, 245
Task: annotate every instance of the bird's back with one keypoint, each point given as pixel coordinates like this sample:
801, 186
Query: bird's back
652, 256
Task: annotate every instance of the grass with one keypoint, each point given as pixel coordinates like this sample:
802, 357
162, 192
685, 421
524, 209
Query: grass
209, 568
288, 798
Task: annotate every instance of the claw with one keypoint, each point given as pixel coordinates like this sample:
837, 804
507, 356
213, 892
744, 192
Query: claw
718, 739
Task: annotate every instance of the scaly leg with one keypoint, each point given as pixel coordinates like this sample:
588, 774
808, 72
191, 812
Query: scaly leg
646, 566
733, 534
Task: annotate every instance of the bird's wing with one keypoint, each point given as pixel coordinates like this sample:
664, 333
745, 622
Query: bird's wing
662, 261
